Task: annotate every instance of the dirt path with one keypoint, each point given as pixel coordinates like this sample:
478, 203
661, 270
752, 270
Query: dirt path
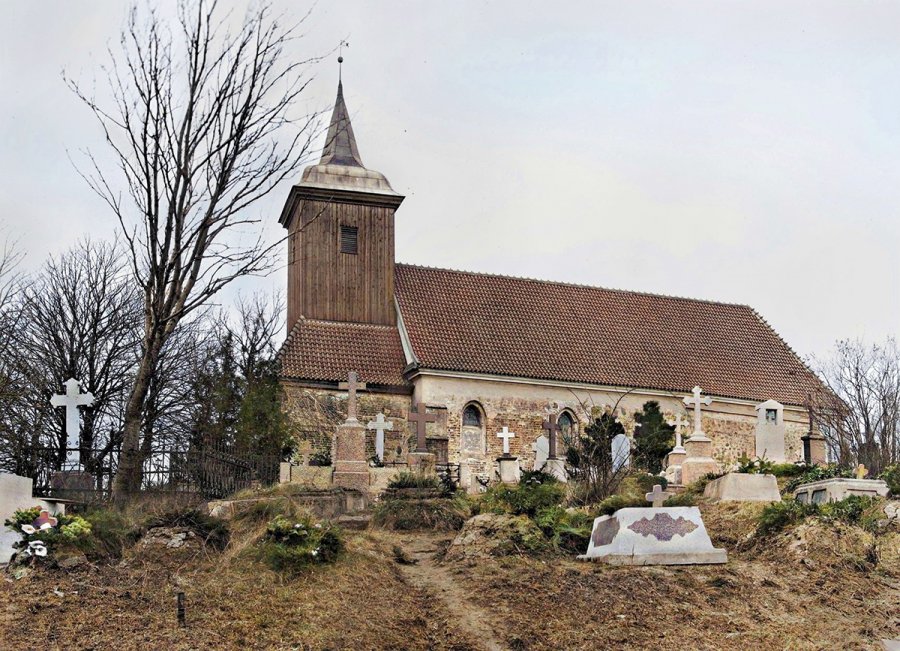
429, 575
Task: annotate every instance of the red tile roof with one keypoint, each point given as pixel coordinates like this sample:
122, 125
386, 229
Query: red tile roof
497, 325
324, 351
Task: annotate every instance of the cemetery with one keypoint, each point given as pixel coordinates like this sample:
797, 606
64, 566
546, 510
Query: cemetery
333, 524
365, 453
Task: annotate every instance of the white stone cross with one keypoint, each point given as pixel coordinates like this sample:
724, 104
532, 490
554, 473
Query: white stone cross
72, 399
696, 401
506, 435
380, 425
656, 496
678, 423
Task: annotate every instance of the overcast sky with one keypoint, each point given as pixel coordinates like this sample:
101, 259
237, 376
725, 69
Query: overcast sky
745, 153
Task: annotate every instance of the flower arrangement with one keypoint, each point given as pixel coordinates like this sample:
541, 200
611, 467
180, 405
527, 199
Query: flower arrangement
42, 532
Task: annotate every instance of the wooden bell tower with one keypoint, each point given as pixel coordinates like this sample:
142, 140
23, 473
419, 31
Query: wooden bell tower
340, 222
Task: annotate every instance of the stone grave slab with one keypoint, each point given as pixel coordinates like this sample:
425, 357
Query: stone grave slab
743, 487
653, 536
838, 488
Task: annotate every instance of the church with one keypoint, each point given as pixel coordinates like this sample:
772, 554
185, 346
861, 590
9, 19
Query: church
480, 352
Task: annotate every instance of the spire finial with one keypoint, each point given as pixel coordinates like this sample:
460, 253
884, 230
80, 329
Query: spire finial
341, 47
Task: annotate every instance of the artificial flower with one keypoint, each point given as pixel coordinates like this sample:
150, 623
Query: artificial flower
27, 528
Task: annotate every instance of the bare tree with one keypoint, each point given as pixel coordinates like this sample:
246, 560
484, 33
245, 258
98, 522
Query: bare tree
200, 133
860, 417
79, 317
11, 283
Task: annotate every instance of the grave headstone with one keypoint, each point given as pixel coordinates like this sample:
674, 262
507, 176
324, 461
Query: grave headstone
770, 431
541, 448
621, 451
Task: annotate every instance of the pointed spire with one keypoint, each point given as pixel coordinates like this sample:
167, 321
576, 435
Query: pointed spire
340, 144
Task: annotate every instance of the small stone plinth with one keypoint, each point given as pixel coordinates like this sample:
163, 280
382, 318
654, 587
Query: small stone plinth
839, 488
699, 445
421, 463
509, 469
653, 536
743, 487
557, 467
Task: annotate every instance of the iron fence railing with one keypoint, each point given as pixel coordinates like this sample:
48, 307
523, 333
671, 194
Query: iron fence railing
209, 471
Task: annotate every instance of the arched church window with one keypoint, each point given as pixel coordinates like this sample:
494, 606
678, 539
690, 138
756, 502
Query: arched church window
566, 422
473, 437
471, 416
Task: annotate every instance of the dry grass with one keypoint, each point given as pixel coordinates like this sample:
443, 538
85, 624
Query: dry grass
763, 598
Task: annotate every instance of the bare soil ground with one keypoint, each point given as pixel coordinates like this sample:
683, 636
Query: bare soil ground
763, 598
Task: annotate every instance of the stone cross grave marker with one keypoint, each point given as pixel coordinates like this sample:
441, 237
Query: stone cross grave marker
352, 385
678, 423
656, 496
696, 401
506, 435
861, 471
72, 399
551, 427
380, 425
421, 418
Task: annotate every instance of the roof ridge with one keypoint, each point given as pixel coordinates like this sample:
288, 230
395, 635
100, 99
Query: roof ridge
373, 326
579, 285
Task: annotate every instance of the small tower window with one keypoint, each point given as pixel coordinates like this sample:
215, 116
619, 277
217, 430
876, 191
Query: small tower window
349, 239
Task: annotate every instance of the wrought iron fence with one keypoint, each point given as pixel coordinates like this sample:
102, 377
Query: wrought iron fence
208, 471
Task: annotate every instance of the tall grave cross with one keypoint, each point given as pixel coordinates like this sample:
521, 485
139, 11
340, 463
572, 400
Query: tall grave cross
551, 427
506, 435
72, 399
421, 418
696, 401
380, 425
352, 385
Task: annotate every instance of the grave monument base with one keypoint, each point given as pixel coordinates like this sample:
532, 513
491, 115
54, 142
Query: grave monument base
557, 467
421, 462
509, 469
653, 536
743, 487
351, 470
838, 488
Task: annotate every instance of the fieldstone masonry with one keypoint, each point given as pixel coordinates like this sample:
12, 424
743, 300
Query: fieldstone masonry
730, 426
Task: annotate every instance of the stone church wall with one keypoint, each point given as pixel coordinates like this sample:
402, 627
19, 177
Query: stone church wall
315, 413
522, 408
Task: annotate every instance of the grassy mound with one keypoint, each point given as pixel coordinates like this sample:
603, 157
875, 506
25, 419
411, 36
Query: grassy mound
436, 514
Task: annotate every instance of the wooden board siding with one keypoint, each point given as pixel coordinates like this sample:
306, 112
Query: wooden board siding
324, 283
